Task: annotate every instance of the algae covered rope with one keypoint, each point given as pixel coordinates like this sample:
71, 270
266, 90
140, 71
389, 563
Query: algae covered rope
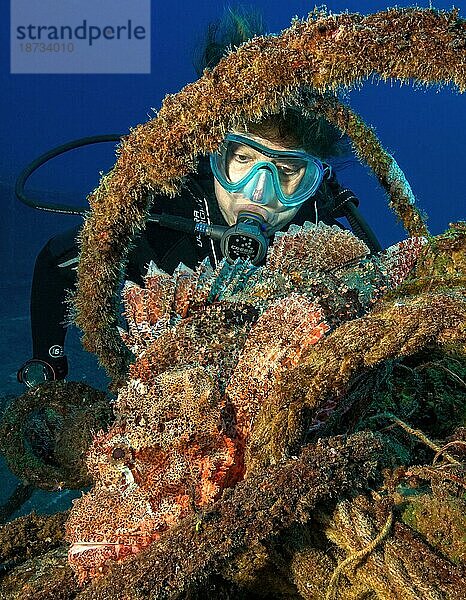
393, 329
332, 589
370, 151
263, 75
400, 565
45, 432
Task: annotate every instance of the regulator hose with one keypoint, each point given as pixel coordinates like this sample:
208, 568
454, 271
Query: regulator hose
41, 160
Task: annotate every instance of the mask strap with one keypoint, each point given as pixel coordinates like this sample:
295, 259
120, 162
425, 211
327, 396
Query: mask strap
328, 171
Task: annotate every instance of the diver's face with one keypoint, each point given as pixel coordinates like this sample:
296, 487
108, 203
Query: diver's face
242, 159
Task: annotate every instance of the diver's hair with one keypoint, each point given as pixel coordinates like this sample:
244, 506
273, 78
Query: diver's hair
238, 24
290, 128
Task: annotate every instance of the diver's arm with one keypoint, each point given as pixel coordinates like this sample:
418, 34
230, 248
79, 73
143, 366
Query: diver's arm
54, 273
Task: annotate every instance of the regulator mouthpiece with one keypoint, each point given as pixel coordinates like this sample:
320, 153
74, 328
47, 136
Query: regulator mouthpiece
246, 240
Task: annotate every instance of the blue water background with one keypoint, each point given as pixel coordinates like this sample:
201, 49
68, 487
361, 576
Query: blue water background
424, 129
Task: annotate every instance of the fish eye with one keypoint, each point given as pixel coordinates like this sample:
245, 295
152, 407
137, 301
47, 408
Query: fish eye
121, 454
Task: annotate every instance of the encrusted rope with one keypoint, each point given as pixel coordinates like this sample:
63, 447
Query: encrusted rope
394, 329
370, 151
356, 557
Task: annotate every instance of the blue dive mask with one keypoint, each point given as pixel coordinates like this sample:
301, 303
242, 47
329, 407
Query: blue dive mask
262, 174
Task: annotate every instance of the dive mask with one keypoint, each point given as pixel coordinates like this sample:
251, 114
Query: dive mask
241, 165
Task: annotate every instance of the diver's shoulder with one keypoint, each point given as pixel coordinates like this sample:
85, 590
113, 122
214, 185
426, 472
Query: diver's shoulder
194, 190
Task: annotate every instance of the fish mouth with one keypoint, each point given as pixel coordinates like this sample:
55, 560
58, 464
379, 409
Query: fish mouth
81, 547
116, 550
92, 559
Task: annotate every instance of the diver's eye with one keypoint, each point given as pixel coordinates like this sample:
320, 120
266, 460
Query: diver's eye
288, 171
240, 155
242, 159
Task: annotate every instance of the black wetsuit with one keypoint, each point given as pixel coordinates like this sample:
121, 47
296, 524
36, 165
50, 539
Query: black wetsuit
55, 268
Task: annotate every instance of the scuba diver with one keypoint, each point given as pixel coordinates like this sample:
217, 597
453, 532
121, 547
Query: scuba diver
263, 177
